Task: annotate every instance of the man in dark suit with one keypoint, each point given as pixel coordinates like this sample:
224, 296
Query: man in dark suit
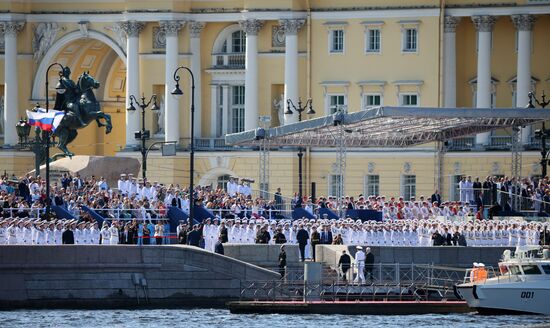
315, 240
344, 263
194, 236
369, 264
326, 236
436, 197
447, 238
218, 248
278, 200
282, 262
68, 236
301, 237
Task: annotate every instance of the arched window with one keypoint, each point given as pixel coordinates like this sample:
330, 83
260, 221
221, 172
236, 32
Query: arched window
229, 48
222, 181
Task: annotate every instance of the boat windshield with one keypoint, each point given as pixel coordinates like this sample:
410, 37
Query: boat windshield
546, 268
531, 269
514, 269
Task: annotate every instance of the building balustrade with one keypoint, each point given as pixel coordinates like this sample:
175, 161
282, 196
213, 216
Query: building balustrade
228, 60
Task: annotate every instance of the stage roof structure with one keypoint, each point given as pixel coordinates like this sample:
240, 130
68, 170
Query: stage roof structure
390, 127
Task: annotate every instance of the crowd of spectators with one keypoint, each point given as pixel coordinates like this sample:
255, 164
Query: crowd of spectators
135, 207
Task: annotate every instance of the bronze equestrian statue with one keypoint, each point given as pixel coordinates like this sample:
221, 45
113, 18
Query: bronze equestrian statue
80, 106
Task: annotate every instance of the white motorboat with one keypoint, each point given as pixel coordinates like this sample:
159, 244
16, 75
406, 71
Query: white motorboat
521, 284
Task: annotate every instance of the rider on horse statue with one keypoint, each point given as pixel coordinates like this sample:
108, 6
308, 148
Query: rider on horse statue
81, 107
68, 101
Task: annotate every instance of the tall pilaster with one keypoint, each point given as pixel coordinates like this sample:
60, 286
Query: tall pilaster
132, 30
214, 111
251, 27
524, 25
484, 26
195, 29
291, 28
172, 111
11, 92
225, 110
449, 53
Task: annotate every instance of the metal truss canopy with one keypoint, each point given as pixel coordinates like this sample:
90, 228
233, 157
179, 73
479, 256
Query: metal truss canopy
392, 127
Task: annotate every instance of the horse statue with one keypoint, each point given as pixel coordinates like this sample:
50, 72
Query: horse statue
81, 108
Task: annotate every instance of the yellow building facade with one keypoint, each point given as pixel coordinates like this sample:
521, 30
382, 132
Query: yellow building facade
249, 56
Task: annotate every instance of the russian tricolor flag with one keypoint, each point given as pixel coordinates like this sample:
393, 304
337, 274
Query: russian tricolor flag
45, 121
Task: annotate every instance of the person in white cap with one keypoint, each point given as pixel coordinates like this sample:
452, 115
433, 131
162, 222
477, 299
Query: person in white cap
360, 264
105, 234
113, 231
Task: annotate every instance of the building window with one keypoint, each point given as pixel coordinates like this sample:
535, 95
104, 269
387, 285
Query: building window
237, 109
238, 42
408, 99
336, 41
372, 185
373, 40
333, 184
409, 186
222, 181
410, 40
372, 99
336, 102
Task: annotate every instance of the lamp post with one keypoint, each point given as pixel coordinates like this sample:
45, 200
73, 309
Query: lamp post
543, 133
60, 89
177, 92
23, 129
143, 134
299, 109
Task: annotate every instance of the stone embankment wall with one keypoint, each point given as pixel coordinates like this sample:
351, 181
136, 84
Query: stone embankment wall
120, 276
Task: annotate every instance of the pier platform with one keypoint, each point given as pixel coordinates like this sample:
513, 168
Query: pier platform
343, 307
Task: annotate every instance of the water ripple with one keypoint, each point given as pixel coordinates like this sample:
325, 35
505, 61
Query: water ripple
222, 318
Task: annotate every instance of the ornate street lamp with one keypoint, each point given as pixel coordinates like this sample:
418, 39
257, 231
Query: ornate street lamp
60, 89
177, 92
543, 133
143, 134
23, 129
299, 109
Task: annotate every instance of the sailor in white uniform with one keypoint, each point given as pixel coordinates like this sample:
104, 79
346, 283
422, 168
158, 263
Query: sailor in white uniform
58, 234
3, 236
113, 231
105, 234
360, 258
94, 234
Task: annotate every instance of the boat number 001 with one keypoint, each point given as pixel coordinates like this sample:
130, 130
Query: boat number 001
527, 294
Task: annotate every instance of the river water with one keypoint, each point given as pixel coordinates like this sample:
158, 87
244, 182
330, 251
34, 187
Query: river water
222, 318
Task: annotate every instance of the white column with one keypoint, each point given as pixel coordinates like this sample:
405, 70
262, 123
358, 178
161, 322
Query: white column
449, 73
172, 110
132, 30
291, 28
484, 26
11, 93
251, 28
524, 24
214, 119
225, 111
195, 29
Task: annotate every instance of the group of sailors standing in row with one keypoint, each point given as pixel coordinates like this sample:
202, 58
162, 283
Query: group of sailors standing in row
374, 233
27, 231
